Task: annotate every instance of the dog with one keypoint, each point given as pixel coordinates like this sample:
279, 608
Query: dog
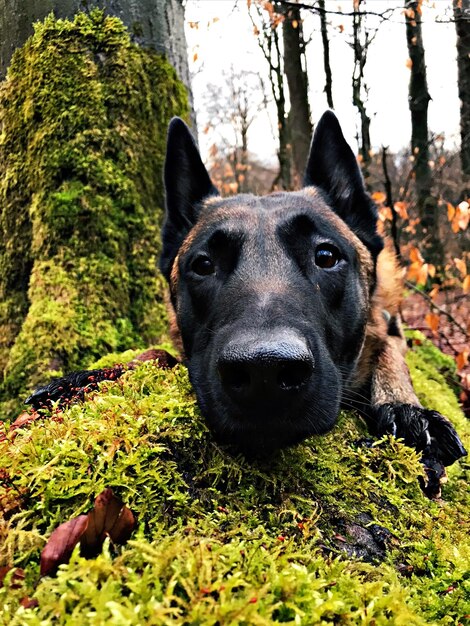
286, 306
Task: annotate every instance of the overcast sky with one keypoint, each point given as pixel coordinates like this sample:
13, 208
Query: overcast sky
229, 41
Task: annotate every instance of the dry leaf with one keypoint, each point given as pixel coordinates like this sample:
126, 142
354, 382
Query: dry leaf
450, 211
401, 209
462, 359
61, 544
461, 266
108, 518
432, 320
415, 256
466, 284
379, 197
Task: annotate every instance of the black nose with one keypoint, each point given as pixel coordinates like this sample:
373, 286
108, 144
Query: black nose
265, 370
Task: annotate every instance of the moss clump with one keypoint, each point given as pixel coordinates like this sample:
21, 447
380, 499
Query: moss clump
84, 115
334, 531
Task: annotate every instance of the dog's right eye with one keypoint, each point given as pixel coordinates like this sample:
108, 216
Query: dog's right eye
203, 265
327, 256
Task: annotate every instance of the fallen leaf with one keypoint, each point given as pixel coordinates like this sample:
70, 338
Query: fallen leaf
462, 359
466, 284
432, 320
461, 266
61, 544
108, 518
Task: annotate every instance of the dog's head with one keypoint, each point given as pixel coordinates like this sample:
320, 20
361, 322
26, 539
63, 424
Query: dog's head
271, 294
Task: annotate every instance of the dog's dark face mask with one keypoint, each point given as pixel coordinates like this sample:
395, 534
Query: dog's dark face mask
271, 294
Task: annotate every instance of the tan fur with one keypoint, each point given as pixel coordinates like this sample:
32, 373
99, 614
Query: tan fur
175, 333
383, 354
390, 278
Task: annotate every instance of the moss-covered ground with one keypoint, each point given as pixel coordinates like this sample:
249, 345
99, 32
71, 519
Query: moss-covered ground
83, 116
334, 531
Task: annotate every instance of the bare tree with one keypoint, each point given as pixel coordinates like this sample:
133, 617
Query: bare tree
266, 23
418, 100
295, 67
326, 53
462, 25
362, 38
229, 111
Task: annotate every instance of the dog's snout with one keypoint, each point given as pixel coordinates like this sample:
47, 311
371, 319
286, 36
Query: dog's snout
256, 370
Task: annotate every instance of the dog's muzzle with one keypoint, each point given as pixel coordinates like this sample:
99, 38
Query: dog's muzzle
266, 369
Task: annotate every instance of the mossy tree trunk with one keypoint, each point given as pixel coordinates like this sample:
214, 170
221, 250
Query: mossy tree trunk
157, 24
84, 114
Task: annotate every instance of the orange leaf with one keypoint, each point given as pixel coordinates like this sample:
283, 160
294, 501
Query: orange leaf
455, 226
409, 63
432, 320
415, 256
461, 266
450, 211
295, 24
423, 275
385, 213
463, 215
466, 284
379, 197
462, 359
195, 57
401, 209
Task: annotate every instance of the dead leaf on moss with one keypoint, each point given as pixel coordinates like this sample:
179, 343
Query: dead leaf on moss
108, 518
16, 579
22, 420
61, 543
164, 358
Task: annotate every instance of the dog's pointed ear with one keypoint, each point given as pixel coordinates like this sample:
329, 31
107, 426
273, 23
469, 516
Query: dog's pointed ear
187, 183
333, 168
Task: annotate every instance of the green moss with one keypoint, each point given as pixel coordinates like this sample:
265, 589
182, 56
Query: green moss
333, 531
84, 115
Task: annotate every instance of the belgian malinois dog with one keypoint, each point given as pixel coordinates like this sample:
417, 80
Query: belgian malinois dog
286, 307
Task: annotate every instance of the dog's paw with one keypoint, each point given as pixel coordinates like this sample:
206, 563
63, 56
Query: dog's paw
428, 432
72, 388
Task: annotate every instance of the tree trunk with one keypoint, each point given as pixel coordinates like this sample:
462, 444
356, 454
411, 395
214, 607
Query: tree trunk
326, 54
462, 25
84, 114
418, 100
360, 47
266, 28
157, 24
300, 126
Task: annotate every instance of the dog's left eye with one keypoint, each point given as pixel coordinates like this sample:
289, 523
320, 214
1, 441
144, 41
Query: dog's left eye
203, 265
327, 256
